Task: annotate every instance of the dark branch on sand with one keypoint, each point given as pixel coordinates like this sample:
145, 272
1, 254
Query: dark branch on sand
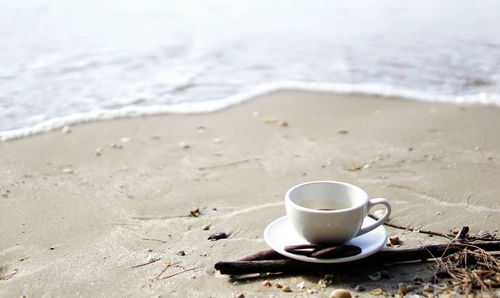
260, 262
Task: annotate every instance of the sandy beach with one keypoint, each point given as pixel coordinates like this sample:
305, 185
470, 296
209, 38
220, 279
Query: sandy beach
80, 210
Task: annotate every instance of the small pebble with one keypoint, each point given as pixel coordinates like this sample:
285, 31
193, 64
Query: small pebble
394, 240
205, 227
485, 234
278, 285
340, 293
217, 140
266, 283
184, 146
217, 236
67, 171
181, 253
66, 129
124, 140
151, 258
343, 132
98, 151
239, 296
301, 285
286, 289
311, 291
282, 123
195, 212
149, 250
116, 146
124, 169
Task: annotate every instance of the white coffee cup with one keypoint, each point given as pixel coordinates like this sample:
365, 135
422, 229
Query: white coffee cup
350, 204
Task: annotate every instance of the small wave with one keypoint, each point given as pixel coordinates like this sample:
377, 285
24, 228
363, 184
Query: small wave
215, 105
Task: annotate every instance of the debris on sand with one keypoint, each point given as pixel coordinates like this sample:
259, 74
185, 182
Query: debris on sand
195, 212
218, 236
67, 171
394, 240
183, 146
376, 292
470, 268
66, 129
340, 293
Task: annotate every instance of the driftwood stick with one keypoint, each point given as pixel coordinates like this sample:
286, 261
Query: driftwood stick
263, 255
396, 226
444, 235
381, 257
462, 235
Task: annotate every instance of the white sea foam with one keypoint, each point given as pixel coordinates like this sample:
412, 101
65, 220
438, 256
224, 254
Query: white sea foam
216, 105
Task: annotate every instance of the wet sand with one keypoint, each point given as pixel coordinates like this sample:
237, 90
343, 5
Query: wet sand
76, 218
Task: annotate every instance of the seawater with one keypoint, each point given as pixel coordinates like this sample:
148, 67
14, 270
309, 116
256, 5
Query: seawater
64, 62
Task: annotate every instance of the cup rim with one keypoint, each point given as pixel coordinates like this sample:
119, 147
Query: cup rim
311, 210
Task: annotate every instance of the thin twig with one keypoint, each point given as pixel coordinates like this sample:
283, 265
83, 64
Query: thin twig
163, 270
224, 165
5, 277
147, 263
447, 236
159, 274
159, 217
394, 225
159, 240
180, 272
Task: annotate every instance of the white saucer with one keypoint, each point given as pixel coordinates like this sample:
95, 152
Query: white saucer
280, 233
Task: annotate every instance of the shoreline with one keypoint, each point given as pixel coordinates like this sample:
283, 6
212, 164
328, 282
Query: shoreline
75, 219
363, 89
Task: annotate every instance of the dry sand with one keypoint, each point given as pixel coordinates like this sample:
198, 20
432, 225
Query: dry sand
73, 222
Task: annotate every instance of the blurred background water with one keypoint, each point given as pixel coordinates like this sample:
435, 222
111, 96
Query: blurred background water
60, 58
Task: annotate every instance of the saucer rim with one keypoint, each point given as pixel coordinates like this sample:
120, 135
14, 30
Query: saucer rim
362, 255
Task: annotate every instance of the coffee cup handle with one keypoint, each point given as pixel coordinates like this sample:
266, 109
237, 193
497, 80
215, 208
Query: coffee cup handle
381, 220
